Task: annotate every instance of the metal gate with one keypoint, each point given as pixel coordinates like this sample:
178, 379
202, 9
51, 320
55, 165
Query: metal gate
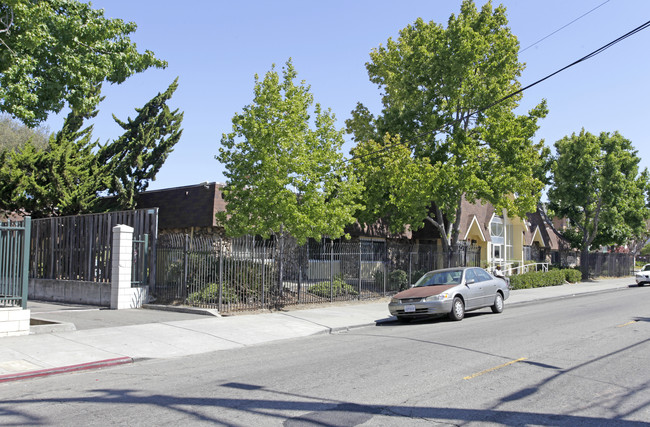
14, 262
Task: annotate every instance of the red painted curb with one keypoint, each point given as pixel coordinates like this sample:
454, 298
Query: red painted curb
63, 369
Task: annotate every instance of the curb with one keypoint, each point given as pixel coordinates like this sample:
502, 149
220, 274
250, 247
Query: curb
569, 295
64, 369
183, 309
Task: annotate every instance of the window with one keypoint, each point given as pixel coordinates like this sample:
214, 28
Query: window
482, 275
496, 230
502, 236
527, 253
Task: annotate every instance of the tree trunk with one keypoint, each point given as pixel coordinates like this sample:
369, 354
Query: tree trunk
584, 263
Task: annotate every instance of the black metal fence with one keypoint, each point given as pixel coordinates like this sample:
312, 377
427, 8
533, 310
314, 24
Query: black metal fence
14, 261
248, 274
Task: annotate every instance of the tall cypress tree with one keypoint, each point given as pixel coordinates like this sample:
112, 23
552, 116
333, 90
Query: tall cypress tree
134, 159
73, 179
59, 180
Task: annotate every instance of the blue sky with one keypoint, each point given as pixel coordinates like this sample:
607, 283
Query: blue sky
216, 47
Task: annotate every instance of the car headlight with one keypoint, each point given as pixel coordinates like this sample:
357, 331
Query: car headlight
394, 301
439, 297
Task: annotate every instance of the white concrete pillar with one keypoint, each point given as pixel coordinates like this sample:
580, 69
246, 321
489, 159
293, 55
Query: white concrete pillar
122, 262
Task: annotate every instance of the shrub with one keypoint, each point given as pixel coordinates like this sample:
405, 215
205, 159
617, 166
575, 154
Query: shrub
210, 295
339, 288
572, 275
398, 279
536, 279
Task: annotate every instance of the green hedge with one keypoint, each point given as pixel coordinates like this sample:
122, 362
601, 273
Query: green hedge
210, 295
538, 279
572, 275
339, 288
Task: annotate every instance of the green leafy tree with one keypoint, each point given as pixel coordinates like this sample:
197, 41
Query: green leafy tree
72, 172
61, 179
14, 134
439, 91
596, 184
54, 52
133, 160
285, 173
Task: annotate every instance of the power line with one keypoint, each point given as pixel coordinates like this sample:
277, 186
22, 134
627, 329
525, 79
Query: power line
465, 117
563, 27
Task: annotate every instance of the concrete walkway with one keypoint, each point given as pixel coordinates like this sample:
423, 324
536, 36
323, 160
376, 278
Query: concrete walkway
91, 337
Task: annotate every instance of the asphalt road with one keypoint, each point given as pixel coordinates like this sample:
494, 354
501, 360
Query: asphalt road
570, 362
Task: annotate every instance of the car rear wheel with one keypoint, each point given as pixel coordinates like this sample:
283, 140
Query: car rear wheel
457, 309
497, 307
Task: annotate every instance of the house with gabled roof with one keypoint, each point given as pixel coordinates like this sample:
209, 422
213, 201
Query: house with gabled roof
511, 241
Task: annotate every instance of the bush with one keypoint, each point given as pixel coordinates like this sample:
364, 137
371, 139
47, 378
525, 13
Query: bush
210, 295
339, 288
398, 280
572, 275
537, 279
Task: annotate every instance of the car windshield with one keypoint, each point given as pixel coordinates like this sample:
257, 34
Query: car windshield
646, 267
433, 278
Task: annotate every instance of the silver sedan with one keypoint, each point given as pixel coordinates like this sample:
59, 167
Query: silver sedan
452, 292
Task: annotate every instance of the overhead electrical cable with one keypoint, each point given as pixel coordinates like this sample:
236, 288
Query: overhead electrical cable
563, 27
480, 110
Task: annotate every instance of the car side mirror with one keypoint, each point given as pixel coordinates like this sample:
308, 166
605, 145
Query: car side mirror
470, 281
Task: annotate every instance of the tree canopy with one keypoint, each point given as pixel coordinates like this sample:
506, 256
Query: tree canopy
70, 175
54, 52
440, 87
285, 172
14, 134
134, 159
597, 185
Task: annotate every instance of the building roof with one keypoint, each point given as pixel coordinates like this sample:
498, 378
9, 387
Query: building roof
188, 206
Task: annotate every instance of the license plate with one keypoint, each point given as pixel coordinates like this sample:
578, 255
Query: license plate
409, 309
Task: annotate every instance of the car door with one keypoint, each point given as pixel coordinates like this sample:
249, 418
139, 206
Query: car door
489, 286
473, 290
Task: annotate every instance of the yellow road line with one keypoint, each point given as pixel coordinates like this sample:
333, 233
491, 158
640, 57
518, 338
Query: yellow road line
628, 323
494, 369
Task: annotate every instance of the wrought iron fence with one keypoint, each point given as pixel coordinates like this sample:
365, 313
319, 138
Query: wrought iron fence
248, 273
14, 262
140, 268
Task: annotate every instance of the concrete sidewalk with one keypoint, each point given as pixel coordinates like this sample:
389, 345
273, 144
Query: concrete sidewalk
94, 337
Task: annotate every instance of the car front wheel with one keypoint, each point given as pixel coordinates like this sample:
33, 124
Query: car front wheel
497, 307
457, 309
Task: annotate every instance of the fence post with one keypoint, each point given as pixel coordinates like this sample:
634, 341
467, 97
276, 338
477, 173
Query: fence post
186, 250
299, 272
410, 281
220, 273
25, 267
359, 283
122, 294
331, 270
263, 275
